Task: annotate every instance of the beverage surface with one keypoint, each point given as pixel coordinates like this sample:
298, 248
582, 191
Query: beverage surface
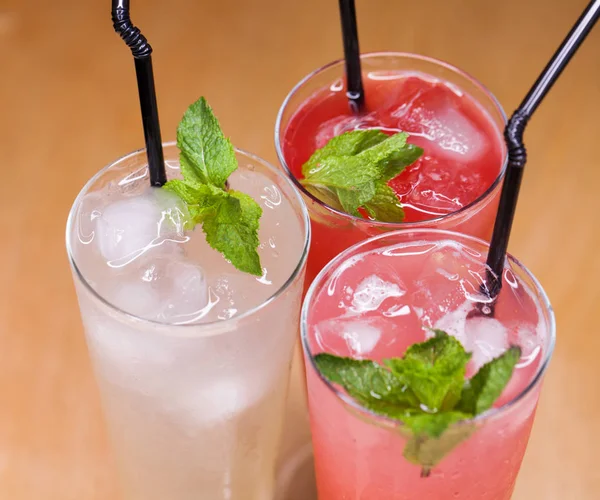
463, 151
133, 249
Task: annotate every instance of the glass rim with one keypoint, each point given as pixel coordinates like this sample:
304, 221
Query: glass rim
360, 220
120, 312
488, 414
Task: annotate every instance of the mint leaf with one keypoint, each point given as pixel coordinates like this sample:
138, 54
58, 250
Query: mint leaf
433, 424
480, 392
353, 169
383, 160
368, 382
391, 156
231, 227
346, 144
206, 156
189, 193
353, 198
434, 370
384, 205
230, 219
432, 437
425, 390
200, 199
326, 195
347, 172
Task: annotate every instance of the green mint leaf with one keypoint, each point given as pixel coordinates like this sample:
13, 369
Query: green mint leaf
200, 199
229, 219
231, 226
326, 195
346, 172
354, 198
386, 158
368, 382
353, 169
188, 193
481, 391
432, 424
206, 156
391, 156
384, 205
401, 159
432, 436
434, 370
346, 144
426, 391
193, 176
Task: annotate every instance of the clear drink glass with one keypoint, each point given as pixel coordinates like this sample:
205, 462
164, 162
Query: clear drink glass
372, 302
193, 410
334, 231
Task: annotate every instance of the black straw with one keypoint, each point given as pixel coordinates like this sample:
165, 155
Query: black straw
142, 51
517, 155
354, 84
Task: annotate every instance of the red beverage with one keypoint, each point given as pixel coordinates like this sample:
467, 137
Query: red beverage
454, 185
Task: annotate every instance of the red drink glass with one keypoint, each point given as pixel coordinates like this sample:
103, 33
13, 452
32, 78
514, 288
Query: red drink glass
381, 296
458, 122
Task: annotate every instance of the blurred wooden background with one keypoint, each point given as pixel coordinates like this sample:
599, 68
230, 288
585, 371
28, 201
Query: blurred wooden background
68, 106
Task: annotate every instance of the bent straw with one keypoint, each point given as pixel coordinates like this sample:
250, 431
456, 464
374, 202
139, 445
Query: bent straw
517, 155
141, 50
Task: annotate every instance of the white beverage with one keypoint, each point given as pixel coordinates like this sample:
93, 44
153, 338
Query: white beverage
191, 355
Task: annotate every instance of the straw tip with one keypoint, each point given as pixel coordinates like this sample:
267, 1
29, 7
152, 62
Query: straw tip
133, 38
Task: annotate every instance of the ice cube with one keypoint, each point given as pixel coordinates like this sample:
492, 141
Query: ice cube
186, 298
530, 344
441, 187
137, 298
164, 287
128, 228
450, 276
349, 337
454, 133
454, 322
220, 399
337, 126
360, 337
372, 292
486, 338
433, 112
212, 402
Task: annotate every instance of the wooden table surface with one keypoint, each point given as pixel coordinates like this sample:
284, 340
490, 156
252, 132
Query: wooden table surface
68, 106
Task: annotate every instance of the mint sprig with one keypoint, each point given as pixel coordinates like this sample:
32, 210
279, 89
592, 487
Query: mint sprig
426, 390
434, 370
480, 392
352, 170
229, 219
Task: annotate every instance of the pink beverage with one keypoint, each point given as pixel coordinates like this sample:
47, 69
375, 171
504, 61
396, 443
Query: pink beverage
458, 123
385, 294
